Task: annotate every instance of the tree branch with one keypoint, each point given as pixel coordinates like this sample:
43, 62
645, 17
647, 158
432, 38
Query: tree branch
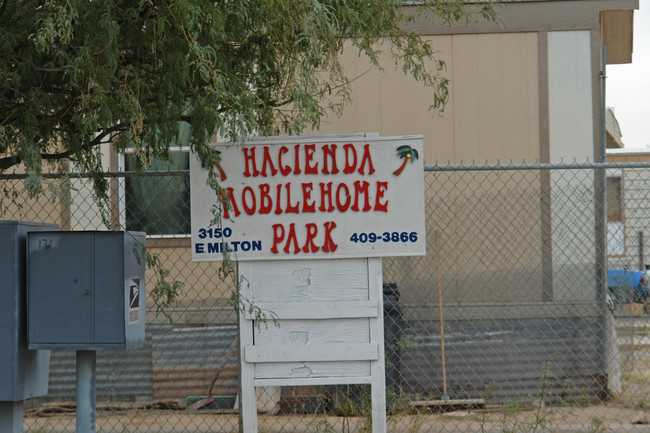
13, 160
271, 103
120, 127
55, 156
3, 7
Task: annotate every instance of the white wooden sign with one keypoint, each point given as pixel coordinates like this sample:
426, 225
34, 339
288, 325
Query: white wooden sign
344, 200
330, 328
312, 197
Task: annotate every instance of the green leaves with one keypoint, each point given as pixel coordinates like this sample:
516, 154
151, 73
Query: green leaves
54, 27
165, 293
74, 74
406, 151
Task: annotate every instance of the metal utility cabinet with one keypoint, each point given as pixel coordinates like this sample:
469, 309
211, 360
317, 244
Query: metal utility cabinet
86, 290
23, 373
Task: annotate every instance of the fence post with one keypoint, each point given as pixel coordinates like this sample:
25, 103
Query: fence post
601, 235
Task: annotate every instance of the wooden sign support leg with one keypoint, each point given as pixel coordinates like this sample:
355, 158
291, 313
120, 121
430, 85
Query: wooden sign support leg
378, 368
248, 397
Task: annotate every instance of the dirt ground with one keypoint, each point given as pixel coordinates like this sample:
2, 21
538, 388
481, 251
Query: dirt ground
628, 412
611, 417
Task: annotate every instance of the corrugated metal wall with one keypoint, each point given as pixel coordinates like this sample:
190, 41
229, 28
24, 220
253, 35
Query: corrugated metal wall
186, 360
173, 364
502, 359
499, 360
121, 375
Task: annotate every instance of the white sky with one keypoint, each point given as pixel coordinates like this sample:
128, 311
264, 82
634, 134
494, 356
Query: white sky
628, 85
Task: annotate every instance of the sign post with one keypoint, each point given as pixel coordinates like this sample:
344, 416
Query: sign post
346, 201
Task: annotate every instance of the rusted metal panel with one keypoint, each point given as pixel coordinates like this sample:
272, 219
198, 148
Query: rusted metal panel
181, 382
186, 361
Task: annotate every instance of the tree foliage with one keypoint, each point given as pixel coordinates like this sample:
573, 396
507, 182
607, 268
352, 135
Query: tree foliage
77, 73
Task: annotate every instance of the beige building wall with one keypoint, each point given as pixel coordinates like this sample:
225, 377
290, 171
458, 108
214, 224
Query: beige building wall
492, 116
46, 208
49, 207
68, 203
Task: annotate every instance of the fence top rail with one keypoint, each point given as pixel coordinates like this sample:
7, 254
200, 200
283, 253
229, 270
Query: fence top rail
109, 174
537, 166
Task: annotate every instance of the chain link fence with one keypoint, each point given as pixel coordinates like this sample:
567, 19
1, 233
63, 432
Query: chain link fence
508, 324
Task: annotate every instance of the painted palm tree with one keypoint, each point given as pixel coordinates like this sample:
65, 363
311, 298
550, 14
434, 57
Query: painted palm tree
217, 163
222, 174
406, 153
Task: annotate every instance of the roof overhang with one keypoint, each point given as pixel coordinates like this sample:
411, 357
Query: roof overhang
613, 18
616, 32
628, 155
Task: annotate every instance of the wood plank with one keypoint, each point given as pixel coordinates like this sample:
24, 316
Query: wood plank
449, 402
353, 380
316, 310
248, 398
308, 371
321, 352
341, 331
309, 280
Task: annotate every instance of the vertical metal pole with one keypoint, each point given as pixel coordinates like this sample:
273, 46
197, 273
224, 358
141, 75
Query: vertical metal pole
445, 396
11, 416
86, 395
601, 235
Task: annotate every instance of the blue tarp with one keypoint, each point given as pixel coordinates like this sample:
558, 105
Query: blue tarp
624, 278
625, 286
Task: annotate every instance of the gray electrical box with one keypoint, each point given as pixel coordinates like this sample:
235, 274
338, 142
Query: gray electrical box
86, 290
23, 373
